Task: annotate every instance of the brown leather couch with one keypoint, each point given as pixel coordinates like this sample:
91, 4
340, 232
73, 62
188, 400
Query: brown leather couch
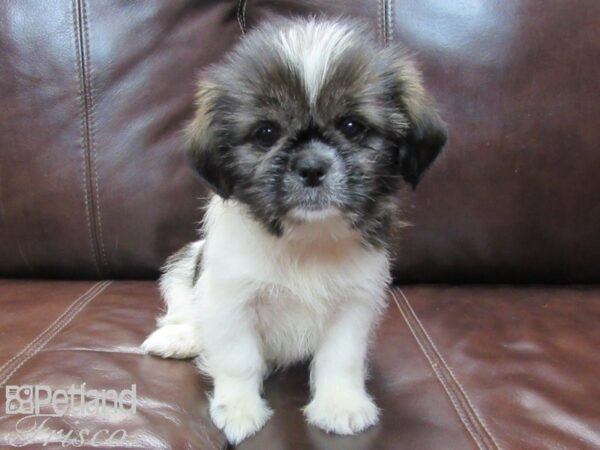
492, 335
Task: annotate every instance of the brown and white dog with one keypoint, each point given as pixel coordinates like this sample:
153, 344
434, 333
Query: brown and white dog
306, 132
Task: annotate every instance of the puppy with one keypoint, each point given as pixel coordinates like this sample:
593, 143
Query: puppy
306, 132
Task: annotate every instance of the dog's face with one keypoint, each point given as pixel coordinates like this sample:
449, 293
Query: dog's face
311, 119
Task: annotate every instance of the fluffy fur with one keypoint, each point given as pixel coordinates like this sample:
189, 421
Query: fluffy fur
306, 132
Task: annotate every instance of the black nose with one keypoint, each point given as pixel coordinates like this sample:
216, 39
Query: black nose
312, 171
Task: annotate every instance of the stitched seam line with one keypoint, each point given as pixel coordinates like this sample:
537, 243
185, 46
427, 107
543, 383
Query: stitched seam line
82, 137
380, 20
384, 20
244, 9
454, 378
43, 338
204, 431
463, 406
45, 331
241, 15
440, 377
49, 333
92, 134
384, 8
87, 135
389, 22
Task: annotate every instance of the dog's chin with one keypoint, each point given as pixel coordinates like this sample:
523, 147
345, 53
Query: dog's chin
310, 214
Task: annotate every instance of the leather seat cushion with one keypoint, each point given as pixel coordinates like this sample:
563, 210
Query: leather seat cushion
451, 368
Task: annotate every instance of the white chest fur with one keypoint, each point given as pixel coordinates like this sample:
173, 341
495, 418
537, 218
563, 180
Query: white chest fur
291, 285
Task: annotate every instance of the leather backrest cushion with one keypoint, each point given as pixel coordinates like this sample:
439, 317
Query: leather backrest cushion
515, 196
94, 96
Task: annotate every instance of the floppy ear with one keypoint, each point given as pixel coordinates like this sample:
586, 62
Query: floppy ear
204, 150
427, 132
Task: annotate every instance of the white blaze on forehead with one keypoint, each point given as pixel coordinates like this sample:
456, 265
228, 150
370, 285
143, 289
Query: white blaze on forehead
312, 47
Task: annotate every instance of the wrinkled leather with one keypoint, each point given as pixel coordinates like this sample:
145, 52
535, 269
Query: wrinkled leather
94, 96
451, 368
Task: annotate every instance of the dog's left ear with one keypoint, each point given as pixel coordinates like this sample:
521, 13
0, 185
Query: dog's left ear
427, 132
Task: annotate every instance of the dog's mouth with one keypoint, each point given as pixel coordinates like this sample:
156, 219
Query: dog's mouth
311, 199
313, 214
314, 205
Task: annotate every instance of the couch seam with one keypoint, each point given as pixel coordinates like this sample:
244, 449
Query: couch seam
463, 406
434, 366
447, 366
389, 22
92, 140
42, 339
31, 343
96, 350
241, 14
82, 137
90, 178
384, 14
380, 21
209, 439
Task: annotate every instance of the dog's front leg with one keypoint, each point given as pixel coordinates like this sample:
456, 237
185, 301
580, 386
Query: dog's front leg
340, 403
232, 357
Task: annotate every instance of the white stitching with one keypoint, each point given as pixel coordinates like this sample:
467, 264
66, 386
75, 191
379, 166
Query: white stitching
59, 324
449, 370
447, 367
241, 15
24, 349
204, 431
390, 22
380, 21
384, 21
440, 377
244, 11
62, 321
34, 346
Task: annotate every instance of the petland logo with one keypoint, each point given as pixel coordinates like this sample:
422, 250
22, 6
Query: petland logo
40, 405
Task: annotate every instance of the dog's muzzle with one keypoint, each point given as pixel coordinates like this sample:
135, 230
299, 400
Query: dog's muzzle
312, 163
312, 170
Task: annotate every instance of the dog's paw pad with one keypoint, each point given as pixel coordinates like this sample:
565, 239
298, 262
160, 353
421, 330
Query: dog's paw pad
342, 413
173, 341
240, 418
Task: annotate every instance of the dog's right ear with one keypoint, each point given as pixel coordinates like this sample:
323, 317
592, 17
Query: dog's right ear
204, 149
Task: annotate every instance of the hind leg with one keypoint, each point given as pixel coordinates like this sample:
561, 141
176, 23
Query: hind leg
177, 333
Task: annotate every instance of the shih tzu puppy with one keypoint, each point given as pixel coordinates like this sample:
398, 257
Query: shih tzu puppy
306, 133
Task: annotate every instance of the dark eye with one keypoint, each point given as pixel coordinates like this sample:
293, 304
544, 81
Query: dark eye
351, 127
266, 135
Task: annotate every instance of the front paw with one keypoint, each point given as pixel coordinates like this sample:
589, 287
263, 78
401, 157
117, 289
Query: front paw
173, 341
342, 412
241, 417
